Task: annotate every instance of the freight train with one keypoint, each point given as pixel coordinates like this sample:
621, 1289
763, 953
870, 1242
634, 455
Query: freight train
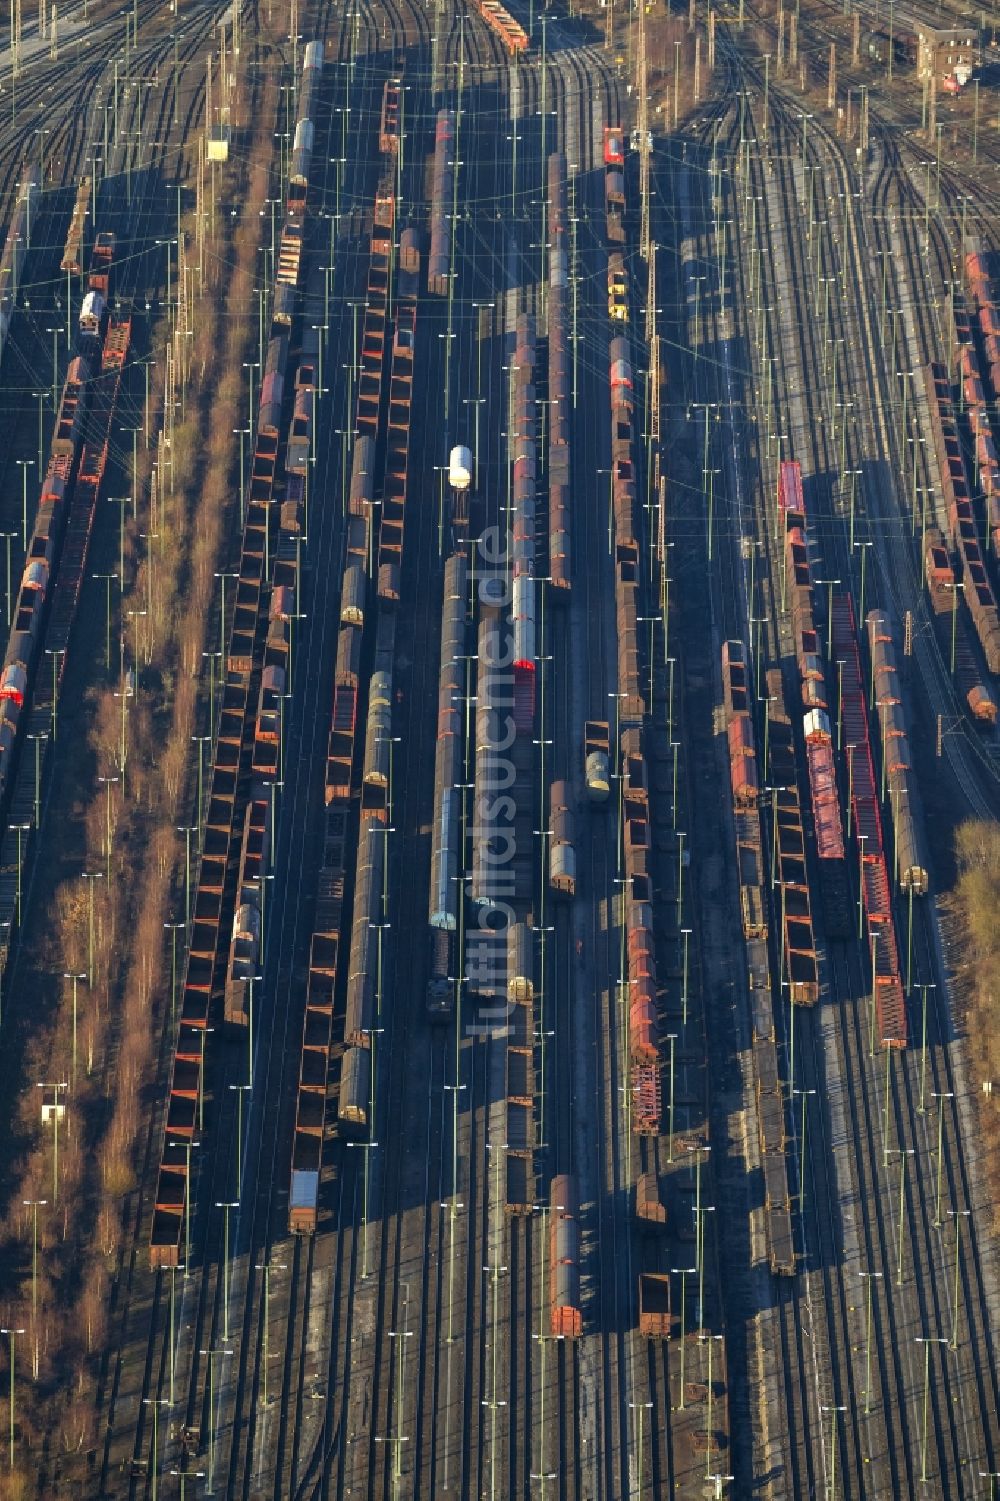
296, 201
373, 556
614, 222
241, 799
524, 415
953, 629
643, 1034
978, 359
890, 1005
360, 785
30, 604
559, 394
744, 780
977, 591
798, 965
445, 892
14, 251
816, 700
241, 803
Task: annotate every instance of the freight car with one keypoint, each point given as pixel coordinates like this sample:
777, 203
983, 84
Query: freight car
442, 196
371, 364
376, 770
614, 146
69, 417
938, 573
388, 130
392, 528
355, 1093
565, 1312
771, 1134
908, 831
408, 270
272, 393
781, 1246
500, 20
744, 787
735, 680
289, 264
614, 204
72, 256
520, 964
101, 259
300, 432
791, 502
492, 819
654, 1305
14, 252
617, 288
340, 746
798, 963
441, 979
298, 175
268, 731
244, 947
364, 979
596, 759
352, 595
619, 369
827, 824
446, 831
742, 762
562, 851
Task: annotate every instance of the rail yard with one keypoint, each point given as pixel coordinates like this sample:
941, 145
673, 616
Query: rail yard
500, 516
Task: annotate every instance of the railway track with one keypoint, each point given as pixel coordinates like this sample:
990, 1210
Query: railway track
72, 105
912, 1136
164, 1360
800, 1317
123, 210
284, 1453
411, 1356
829, 33
849, 978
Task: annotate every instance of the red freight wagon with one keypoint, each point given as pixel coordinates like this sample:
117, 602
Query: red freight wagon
790, 497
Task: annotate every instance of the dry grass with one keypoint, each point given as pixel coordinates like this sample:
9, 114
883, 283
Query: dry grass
973, 908
128, 832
